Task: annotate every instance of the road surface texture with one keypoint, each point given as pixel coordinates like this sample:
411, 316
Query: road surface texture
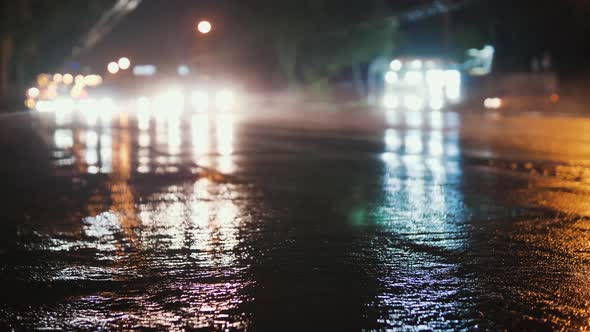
292, 220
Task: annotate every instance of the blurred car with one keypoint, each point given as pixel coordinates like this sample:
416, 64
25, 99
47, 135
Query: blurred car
521, 103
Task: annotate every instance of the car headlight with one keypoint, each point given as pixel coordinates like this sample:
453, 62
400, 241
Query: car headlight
143, 102
492, 103
225, 100
200, 100
170, 101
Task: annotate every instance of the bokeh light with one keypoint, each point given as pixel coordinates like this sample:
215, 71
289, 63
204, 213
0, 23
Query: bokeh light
113, 68
30, 103
124, 63
57, 78
396, 65
92, 80
68, 79
391, 77
42, 80
33, 92
204, 27
79, 79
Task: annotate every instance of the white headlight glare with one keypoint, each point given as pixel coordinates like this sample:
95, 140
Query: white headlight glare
224, 100
170, 101
200, 100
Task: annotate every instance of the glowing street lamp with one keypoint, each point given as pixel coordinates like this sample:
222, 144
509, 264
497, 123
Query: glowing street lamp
204, 27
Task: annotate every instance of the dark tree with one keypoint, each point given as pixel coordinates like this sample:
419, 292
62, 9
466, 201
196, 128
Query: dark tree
312, 40
36, 35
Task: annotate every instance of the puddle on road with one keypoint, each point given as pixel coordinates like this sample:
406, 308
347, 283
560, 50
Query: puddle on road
158, 145
173, 257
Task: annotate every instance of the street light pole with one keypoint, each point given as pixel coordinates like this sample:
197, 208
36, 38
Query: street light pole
204, 28
446, 28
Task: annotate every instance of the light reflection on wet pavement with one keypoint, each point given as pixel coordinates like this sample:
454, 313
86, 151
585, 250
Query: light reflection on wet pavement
242, 221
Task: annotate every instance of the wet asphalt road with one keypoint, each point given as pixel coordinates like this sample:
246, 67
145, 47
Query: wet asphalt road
281, 220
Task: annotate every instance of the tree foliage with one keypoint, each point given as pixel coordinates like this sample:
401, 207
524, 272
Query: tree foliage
316, 39
37, 34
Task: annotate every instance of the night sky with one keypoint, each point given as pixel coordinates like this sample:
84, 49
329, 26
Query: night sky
163, 31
